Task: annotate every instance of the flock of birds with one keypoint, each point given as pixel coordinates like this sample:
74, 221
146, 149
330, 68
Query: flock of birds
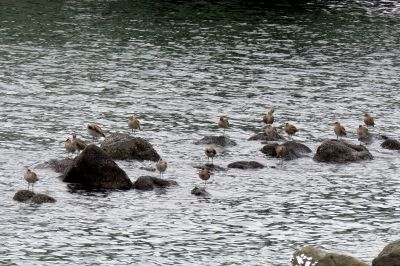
77, 145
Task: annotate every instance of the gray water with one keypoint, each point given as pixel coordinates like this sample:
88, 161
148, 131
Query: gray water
178, 66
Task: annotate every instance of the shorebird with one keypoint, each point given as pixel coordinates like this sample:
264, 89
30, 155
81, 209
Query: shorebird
69, 146
161, 166
271, 131
223, 123
30, 177
210, 153
78, 143
290, 129
268, 117
362, 133
133, 123
369, 120
95, 131
204, 175
339, 130
281, 152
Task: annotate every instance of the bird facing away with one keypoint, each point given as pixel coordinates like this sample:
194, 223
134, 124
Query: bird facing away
362, 133
223, 123
30, 177
290, 129
78, 143
369, 120
161, 166
95, 131
281, 152
271, 132
268, 117
133, 123
339, 130
69, 146
210, 153
204, 175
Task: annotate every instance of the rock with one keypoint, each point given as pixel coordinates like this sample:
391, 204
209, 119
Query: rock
389, 256
121, 146
211, 167
23, 195
197, 191
94, 169
151, 182
246, 165
42, 198
391, 144
216, 140
295, 149
339, 152
312, 256
265, 137
59, 166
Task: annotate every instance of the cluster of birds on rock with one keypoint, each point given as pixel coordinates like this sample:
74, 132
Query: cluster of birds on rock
76, 144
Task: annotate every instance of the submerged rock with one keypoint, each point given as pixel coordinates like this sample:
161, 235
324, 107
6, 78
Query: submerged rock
94, 169
42, 198
216, 140
23, 195
246, 165
389, 256
263, 136
151, 182
59, 166
312, 256
295, 150
389, 143
200, 191
211, 167
339, 152
120, 146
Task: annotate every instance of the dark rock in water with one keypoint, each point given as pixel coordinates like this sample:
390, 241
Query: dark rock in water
94, 169
42, 198
217, 140
211, 167
389, 256
339, 152
200, 191
59, 166
151, 182
391, 144
295, 150
265, 137
246, 165
23, 195
121, 146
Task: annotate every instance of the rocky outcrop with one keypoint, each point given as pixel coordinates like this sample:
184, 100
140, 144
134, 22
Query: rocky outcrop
216, 140
389, 256
312, 256
94, 169
391, 144
339, 152
263, 136
151, 182
295, 150
27, 195
121, 146
200, 191
246, 165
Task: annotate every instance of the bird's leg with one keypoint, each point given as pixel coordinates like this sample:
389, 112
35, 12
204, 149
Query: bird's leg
212, 161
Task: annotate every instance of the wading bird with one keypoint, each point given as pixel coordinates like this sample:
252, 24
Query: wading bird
339, 130
95, 131
223, 123
133, 123
30, 177
369, 120
268, 117
204, 175
290, 129
161, 166
210, 153
362, 133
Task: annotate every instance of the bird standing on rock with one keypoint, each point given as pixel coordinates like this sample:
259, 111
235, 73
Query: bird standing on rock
133, 123
204, 175
362, 133
210, 153
369, 120
271, 132
30, 177
290, 129
95, 131
223, 123
281, 151
339, 130
268, 117
78, 143
161, 166
69, 146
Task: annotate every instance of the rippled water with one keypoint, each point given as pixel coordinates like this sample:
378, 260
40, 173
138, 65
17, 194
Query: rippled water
178, 66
